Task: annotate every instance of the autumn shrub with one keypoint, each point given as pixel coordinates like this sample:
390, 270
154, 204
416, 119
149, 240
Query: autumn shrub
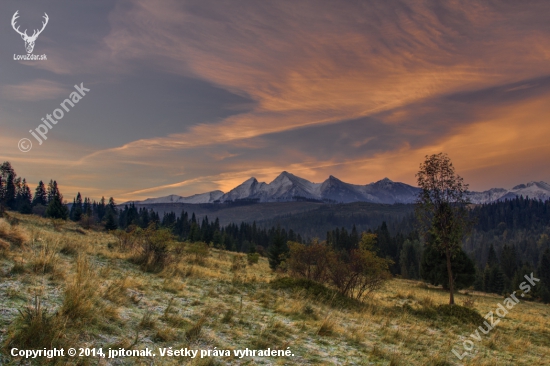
253, 258
154, 255
198, 252
310, 261
126, 240
354, 273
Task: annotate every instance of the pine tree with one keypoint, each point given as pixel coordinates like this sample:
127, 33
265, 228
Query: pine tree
56, 209
76, 209
101, 209
51, 191
24, 198
9, 195
434, 268
40, 195
508, 261
195, 233
478, 283
278, 249
110, 223
544, 275
409, 259
492, 259
2, 196
112, 205
487, 279
496, 280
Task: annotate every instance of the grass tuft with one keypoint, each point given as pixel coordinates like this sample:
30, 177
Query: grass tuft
12, 234
80, 299
36, 328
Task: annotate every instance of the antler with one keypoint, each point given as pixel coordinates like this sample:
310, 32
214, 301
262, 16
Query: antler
35, 34
13, 19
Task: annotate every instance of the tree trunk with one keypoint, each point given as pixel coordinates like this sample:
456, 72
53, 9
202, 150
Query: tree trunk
450, 274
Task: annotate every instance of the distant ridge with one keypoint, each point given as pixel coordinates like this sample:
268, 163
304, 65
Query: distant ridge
288, 187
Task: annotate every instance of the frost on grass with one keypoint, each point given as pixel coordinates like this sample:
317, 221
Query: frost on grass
66, 285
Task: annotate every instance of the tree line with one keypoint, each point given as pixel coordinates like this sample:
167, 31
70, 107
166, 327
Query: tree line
507, 239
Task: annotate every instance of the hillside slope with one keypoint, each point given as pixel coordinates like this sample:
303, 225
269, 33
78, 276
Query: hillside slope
219, 301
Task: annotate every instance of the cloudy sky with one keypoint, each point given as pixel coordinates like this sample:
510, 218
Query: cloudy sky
191, 96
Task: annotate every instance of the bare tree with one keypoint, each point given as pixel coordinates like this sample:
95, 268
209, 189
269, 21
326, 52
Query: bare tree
442, 208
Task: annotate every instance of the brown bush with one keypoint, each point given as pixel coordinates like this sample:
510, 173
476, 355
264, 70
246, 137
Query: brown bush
154, 255
87, 222
354, 273
198, 251
310, 261
126, 240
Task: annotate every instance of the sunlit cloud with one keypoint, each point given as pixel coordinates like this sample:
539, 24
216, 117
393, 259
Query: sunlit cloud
359, 90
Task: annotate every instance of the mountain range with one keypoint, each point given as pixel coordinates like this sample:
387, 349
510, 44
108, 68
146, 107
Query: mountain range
288, 187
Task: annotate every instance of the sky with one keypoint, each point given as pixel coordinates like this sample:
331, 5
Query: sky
192, 96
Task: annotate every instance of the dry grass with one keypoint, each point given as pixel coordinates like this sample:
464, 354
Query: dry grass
44, 258
80, 299
220, 300
117, 291
327, 327
147, 321
36, 327
13, 234
192, 334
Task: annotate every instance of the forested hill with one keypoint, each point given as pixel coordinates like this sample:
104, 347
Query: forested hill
362, 216
519, 225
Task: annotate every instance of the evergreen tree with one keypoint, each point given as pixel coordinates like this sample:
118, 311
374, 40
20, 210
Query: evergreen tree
76, 209
434, 268
278, 249
7, 186
40, 195
487, 279
2, 196
110, 223
544, 275
478, 283
51, 190
9, 192
409, 259
24, 198
492, 259
496, 280
56, 209
112, 205
195, 233
217, 239
508, 261
100, 209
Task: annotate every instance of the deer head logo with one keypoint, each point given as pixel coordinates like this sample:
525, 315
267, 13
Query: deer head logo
29, 41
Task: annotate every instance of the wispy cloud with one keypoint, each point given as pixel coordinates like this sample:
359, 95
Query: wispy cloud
360, 90
34, 90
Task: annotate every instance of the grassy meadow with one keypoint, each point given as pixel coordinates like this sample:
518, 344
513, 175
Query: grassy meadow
65, 286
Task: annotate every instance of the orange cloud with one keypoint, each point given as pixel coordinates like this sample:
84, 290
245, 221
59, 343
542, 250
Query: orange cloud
318, 63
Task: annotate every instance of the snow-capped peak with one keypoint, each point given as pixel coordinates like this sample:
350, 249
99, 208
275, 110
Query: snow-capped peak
289, 187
